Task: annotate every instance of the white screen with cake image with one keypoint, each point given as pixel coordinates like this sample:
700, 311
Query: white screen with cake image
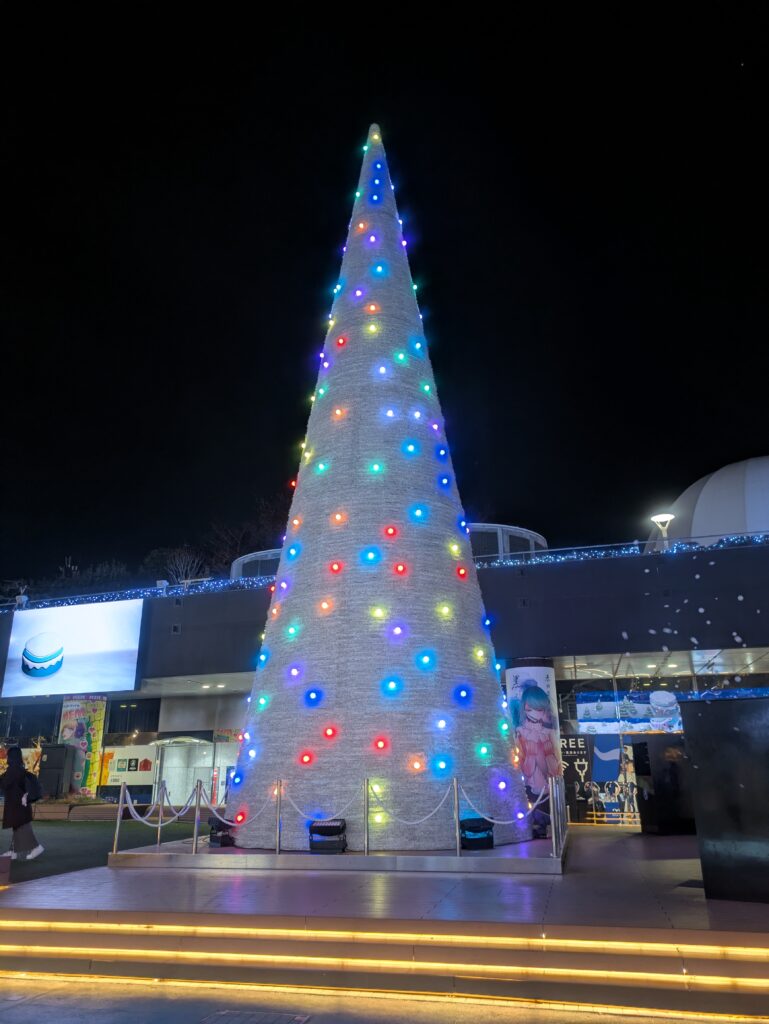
85, 648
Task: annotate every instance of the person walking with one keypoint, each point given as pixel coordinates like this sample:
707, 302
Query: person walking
16, 785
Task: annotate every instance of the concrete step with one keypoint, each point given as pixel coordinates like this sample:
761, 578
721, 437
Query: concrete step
699, 973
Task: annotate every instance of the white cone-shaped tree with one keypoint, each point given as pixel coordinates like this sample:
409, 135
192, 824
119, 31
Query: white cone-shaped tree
377, 661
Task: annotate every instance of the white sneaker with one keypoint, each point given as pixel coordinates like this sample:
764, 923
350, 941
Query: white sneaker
9, 853
34, 853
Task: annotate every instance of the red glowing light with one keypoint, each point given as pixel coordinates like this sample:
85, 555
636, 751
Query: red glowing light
240, 817
272, 588
240, 737
461, 572
390, 531
341, 341
329, 732
306, 757
336, 567
400, 569
292, 484
380, 743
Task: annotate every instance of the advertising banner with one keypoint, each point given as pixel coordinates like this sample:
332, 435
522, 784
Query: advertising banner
82, 727
31, 757
133, 765
72, 649
534, 713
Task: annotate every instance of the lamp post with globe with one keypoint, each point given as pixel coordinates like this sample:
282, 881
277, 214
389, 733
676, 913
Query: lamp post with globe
663, 521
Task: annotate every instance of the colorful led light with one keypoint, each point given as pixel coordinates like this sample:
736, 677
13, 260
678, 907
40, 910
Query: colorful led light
502, 784
444, 611
426, 660
441, 723
380, 743
292, 631
262, 702
313, 697
372, 328
418, 513
444, 482
294, 552
390, 532
391, 686
401, 358
425, 387
336, 567
341, 341
483, 750
329, 732
378, 612
410, 448
463, 694
305, 757
372, 307
339, 413
375, 468
338, 518
252, 753
441, 452
461, 572
296, 522
390, 413
400, 569
326, 605
371, 556
240, 817
321, 468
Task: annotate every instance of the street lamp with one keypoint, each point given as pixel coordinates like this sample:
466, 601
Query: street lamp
663, 521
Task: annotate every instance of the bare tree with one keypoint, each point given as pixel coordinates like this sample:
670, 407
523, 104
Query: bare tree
183, 564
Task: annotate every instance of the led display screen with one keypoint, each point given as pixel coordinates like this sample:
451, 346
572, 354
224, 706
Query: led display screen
84, 648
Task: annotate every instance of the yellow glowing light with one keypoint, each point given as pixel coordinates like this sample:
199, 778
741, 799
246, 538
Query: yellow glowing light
312, 398
372, 328
480, 653
326, 605
454, 548
331, 322
378, 613
378, 819
376, 788
444, 610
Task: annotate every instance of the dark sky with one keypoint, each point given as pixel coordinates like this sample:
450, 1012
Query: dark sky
587, 219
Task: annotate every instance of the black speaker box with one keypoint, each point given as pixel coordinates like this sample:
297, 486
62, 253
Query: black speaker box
476, 834
328, 844
333, 827
60, 756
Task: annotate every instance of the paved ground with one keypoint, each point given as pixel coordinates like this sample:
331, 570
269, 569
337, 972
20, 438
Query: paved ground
31, 1002
614, 878
77, 845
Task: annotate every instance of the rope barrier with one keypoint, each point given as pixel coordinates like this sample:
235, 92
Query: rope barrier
486, 817
205, 798
330, 817
402, 821
163, 799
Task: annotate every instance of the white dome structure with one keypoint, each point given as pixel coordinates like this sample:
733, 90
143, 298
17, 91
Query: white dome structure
733, 501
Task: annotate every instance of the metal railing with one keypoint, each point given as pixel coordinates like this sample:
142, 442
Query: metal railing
198, 797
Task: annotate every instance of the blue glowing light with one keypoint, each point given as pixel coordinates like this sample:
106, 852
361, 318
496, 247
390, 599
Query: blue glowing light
444, 481
313, 697
426, 660
294, 551
441, 452
410, 448
419, 513
371, 556
463, 695
442, 765
391, 686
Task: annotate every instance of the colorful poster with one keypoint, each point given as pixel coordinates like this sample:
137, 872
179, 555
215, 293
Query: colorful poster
31, 757
82, 727
133, 765
531, 698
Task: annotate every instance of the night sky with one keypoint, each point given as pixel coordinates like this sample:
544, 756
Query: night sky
587, 222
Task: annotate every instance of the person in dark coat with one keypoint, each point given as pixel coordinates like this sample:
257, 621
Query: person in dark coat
17, 811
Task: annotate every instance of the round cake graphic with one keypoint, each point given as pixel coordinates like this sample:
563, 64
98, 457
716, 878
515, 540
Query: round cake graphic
42, 655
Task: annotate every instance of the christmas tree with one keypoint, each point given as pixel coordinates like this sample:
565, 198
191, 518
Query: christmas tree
377, 660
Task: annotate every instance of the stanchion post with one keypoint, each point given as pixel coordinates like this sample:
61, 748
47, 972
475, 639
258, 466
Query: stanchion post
196, 826
278, 795
365, 817
457, 831
554, 816
160, 811
120, 808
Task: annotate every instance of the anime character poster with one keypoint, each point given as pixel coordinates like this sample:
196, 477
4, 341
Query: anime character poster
531, 699
82, 727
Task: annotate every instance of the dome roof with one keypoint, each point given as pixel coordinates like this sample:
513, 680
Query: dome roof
730, 502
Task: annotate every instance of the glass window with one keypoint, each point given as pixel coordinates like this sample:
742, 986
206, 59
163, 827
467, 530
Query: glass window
128, 716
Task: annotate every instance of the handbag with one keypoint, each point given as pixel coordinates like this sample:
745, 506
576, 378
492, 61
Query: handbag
33, 787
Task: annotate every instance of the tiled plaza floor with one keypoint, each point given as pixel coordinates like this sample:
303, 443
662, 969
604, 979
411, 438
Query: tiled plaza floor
613, 878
